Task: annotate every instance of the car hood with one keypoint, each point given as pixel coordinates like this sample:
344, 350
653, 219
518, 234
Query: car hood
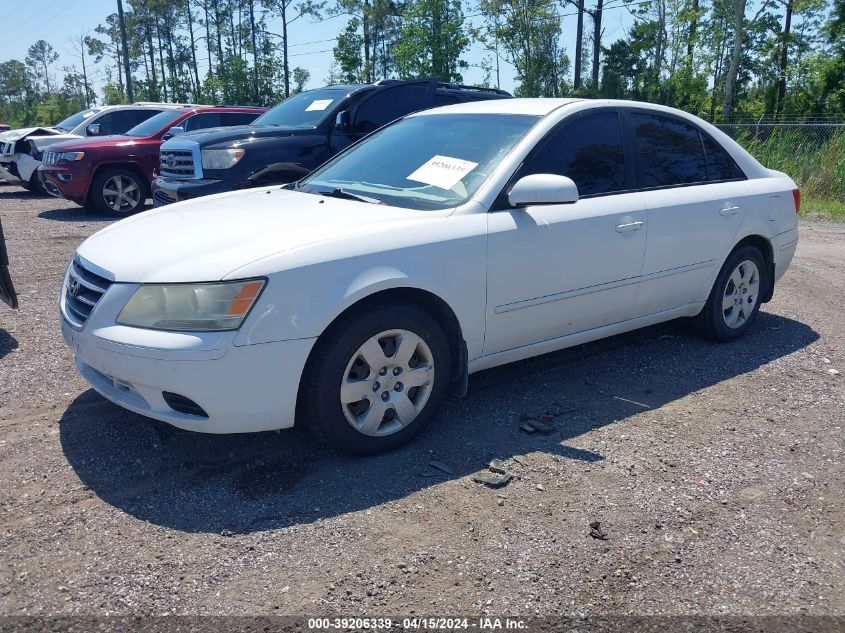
85, 143
42, 142
209, 238
240, 133
16, 135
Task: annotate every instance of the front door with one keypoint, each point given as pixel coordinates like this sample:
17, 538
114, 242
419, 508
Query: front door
554, 270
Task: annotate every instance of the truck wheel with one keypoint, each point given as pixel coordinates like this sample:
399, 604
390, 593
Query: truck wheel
118, 191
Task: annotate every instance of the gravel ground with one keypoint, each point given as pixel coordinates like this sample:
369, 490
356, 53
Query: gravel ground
714, 470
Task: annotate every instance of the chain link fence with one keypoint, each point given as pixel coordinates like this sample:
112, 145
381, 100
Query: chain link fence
814, 134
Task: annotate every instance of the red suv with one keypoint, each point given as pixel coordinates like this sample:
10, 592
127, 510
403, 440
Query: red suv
112, 174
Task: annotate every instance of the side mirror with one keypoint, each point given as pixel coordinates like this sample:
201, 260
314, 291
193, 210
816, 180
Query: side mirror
93, 129
342, 121
174, 131
543, 189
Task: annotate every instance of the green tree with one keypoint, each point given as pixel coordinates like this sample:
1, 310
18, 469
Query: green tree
432, 38
40, 57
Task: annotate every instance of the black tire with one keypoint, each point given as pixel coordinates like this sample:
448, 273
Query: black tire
97, 196
320, 407
711, 321
34, 185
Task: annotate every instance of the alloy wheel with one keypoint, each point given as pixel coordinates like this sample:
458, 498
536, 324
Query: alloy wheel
121, 193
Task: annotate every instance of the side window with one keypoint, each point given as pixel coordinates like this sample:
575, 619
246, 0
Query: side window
389, 104
106, 123
587, 150
143, 115
670, 151
237, 118
202, 121
122, 121
720, 166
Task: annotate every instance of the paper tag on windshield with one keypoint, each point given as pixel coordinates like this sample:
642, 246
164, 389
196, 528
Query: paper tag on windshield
443, 171
319, 104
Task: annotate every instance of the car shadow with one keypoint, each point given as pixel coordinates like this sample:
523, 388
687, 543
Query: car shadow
13, 192
253, 482
84, 214
8, 343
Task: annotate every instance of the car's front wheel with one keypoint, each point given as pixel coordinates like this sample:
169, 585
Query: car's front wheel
376, 379
735, 298
118, 191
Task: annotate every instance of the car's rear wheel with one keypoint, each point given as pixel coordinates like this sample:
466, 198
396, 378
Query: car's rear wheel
736, 296
376, 379
118, 191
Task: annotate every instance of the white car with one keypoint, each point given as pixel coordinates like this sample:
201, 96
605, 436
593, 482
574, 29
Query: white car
21, 150
448, 242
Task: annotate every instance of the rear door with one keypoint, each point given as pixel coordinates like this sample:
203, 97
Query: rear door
696, 198
7, 290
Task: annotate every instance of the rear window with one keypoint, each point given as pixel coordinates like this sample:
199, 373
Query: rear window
720, 166
671, 152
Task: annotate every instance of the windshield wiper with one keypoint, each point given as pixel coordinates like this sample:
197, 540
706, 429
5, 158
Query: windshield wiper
348, 195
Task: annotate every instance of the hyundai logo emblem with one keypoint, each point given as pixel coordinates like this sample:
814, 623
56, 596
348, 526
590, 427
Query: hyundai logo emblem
73, 286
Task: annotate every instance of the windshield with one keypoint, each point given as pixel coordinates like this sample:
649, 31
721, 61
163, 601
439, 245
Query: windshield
155, 123
75, 119
304, 110
424, 162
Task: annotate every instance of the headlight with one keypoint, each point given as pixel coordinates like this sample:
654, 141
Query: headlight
191, 307
71, 156
221, 158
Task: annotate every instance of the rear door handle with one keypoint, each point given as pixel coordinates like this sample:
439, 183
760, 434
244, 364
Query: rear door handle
629, 226
730, 210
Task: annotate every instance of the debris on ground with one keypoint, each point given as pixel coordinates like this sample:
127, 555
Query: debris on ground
493, 480
497, 466
597, 532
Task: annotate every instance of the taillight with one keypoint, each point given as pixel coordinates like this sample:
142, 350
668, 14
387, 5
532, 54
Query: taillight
796, 196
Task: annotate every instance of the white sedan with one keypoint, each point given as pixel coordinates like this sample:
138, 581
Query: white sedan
451, 241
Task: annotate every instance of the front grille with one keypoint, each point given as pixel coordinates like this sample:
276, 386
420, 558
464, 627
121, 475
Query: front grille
176, 163
83, 290
50, 158
7, 148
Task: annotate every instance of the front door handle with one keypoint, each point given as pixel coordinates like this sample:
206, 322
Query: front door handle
729, 210
629, 226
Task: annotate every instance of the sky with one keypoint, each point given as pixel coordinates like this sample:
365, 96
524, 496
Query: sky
310, 42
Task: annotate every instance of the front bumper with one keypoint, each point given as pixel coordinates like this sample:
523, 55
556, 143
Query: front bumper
241, 388
65, 181
169, 190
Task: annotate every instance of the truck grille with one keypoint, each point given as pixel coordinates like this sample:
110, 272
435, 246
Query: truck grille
177, 163
50, 158
83, 290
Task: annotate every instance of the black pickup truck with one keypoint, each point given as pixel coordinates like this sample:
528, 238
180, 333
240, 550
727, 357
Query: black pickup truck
299, 134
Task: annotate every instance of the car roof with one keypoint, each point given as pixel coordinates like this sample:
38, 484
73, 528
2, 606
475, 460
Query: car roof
536, 107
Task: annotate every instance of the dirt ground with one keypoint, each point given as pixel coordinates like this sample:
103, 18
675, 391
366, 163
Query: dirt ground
715, 470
